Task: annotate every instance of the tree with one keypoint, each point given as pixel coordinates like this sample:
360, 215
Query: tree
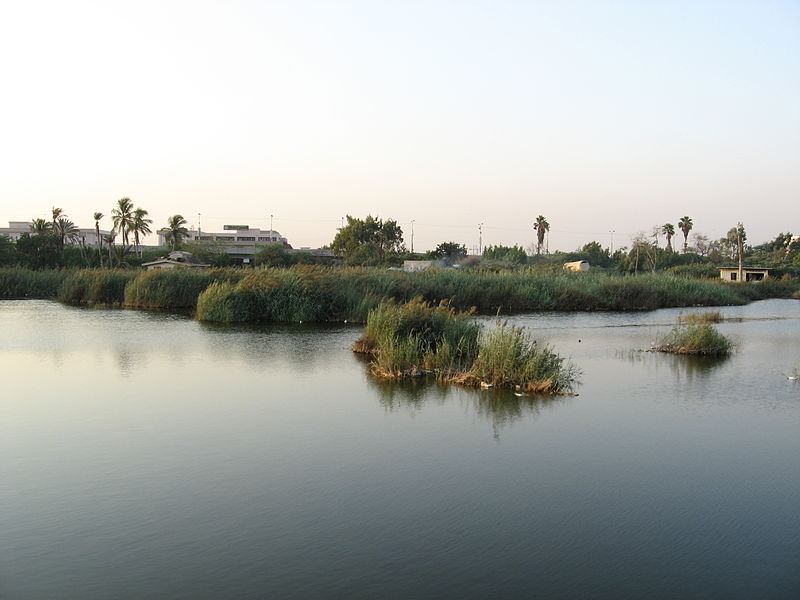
65, 231
109, 240
97, 216
685, 225
450, 252
510, 255
368, 241
668, 229
122, 216
41, 227
38, 251
273, 255
542, 227
177, 231
8, 251
596, 254
140, 226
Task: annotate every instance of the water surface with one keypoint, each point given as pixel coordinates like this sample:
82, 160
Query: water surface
147, 455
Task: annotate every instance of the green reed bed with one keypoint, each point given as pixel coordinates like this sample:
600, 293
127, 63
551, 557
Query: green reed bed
18, 282
178, 288
417, 338
96, 286
349, 293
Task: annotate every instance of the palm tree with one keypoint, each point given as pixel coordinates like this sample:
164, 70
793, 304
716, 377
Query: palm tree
57, 214
65, 231
177, 231
122, 216
109, 240
97, 217
541, 226
668, 229
121, 254
140, 226
41, 227
685, 225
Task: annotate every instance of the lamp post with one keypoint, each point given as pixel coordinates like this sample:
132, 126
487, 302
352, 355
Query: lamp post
611, 231
480, 238
412, 236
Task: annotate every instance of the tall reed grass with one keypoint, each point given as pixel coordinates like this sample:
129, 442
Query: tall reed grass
411, 339
322, 294
18, 282
698, 338
96, 286
174, 288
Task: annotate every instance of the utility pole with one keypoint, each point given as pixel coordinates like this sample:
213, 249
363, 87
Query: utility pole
412, 236
480, 238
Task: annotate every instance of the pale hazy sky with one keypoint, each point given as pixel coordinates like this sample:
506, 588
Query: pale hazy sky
599, 115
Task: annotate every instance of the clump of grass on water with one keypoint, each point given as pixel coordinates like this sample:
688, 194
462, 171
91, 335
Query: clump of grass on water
694, 334
411, 339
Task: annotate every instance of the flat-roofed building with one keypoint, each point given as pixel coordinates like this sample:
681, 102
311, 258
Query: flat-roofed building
86, 236
232, 236
748, 273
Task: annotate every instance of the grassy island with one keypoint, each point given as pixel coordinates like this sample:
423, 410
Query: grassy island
418, 338
694, 334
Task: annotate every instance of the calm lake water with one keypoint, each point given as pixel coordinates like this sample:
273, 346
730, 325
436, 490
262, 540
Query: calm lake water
150, 456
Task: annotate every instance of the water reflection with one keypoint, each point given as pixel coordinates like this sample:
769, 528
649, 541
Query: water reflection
682, 366
500, 408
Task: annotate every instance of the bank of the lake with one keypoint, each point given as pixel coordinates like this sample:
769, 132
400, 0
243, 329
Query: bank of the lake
323, 294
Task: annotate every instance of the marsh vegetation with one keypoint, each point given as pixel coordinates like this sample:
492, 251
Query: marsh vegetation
417, 338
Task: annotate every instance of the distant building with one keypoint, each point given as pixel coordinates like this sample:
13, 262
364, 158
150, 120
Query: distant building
232, 236
173, 260
87, 236
578, 265
748, 273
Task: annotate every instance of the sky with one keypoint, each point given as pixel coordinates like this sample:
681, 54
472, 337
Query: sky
600, 115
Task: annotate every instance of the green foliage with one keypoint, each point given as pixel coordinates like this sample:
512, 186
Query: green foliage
449, 252
509, 357
324, 293
174, 288
95, 286
407, 340
418, 334
514, 255
38, 251
8, 252
698, 338
19, 282
369, 241
274, 255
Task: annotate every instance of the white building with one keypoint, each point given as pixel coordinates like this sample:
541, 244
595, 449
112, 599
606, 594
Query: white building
232, 236
87, 236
